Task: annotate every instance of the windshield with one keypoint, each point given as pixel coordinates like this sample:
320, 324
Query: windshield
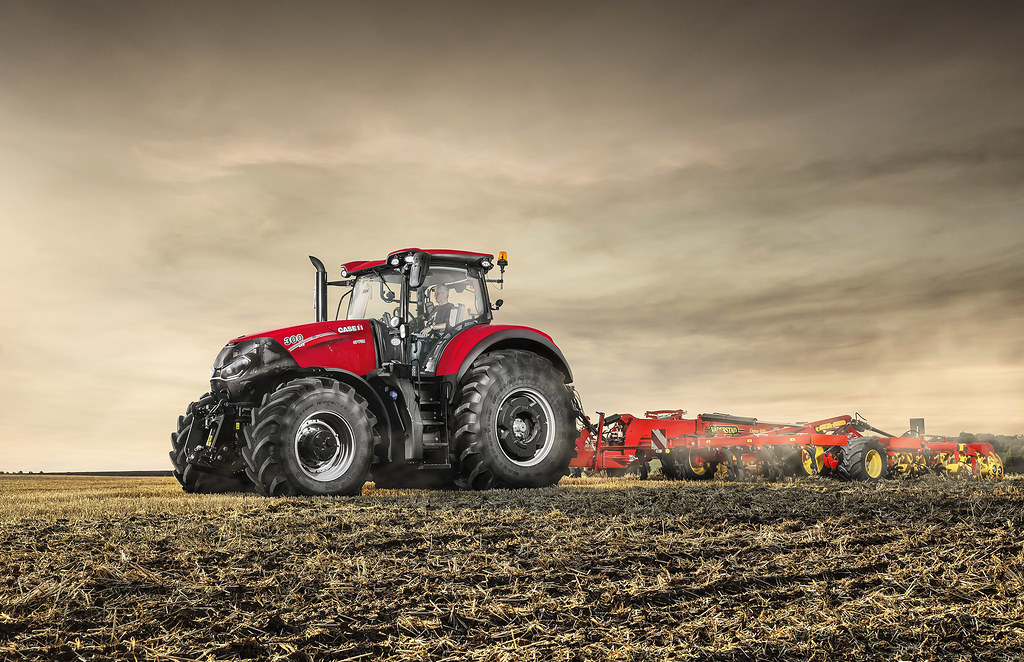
448, 297
375, 295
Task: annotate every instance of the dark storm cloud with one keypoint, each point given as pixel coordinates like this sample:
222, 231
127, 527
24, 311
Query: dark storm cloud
208, 69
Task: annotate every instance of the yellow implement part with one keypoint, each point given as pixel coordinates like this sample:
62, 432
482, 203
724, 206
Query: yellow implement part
818, 466
990, 465
908, 464
873, 464
698, 469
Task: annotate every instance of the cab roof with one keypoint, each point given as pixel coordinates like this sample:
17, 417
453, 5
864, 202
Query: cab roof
448, 255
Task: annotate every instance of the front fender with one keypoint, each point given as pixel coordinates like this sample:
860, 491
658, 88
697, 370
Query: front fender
464, 348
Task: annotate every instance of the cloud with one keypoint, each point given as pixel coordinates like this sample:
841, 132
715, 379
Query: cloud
775, 210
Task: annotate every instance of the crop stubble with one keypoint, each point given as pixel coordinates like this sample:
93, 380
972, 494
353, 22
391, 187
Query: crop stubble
115, 568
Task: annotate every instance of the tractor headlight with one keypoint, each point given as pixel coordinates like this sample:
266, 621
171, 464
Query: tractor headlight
241, 366
235, 369
236, 360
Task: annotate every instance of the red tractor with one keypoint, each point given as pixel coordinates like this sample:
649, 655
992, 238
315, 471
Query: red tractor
414, 388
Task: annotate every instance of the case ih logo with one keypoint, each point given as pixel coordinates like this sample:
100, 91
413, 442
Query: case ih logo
350, 329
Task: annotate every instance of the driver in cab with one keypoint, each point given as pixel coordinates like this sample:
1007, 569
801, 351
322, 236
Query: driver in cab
439, 319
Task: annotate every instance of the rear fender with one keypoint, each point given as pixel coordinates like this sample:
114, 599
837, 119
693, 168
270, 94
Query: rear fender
467, 346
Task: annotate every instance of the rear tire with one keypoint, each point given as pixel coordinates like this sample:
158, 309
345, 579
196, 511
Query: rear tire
312, 436
863, 459
513, 424
193, 480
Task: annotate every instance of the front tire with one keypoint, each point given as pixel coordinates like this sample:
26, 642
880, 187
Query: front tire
513, 424
193, 480
311, 436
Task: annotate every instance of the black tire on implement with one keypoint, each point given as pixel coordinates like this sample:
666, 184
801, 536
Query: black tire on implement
670, 467
791, 461
680, 463
513, 424
781, 461
863, 459
312, 436
193, 480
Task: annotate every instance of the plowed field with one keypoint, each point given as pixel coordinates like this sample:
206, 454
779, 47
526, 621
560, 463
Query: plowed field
613, 569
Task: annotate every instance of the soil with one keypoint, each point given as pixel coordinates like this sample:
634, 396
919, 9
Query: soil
592, 569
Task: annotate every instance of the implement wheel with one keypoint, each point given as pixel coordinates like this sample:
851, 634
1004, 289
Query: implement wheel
192, 479
683, 462
312, 436
864, 459
513, 424
812, 462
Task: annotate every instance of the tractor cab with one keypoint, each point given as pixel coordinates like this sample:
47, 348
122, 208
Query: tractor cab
450, 300
417, 301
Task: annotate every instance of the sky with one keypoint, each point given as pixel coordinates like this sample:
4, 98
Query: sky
786, 210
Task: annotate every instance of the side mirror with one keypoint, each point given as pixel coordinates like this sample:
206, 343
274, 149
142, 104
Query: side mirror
418, 270
497, 304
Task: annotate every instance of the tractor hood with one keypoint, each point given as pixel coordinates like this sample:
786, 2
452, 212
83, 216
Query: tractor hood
247, 360
320, 336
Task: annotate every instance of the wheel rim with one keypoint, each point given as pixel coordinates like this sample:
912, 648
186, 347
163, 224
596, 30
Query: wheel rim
324, 446
524, 427
873, 463
697, 465
813, 463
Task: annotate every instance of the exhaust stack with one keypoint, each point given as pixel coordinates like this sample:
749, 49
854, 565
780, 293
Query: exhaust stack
320, 290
